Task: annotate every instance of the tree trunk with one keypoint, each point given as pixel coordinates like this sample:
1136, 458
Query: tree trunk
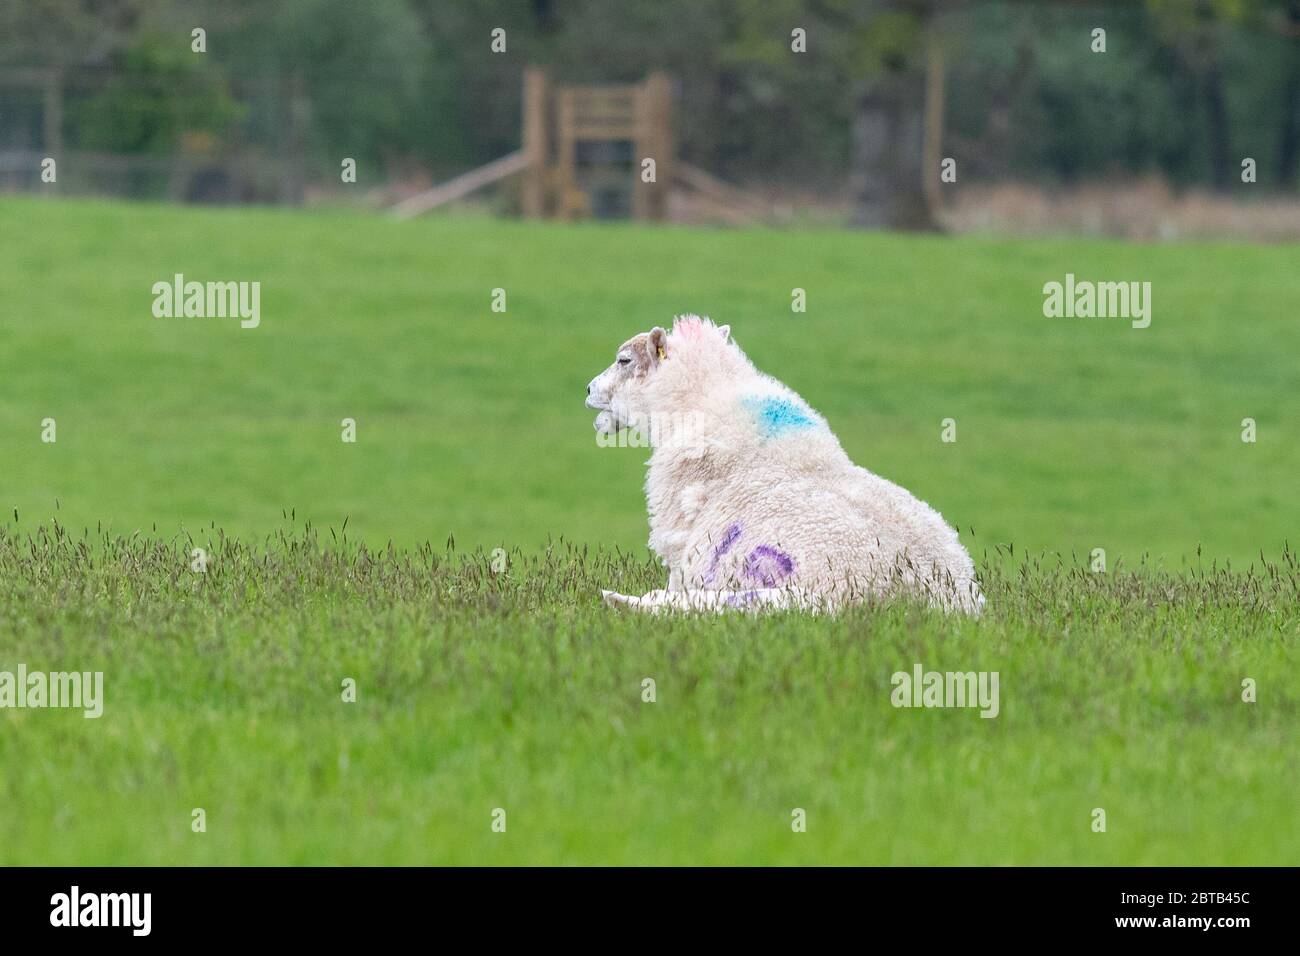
932, 150
1289, 151
888, 146
1216, 115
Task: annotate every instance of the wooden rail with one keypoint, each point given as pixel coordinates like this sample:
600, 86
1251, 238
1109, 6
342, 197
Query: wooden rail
463, 184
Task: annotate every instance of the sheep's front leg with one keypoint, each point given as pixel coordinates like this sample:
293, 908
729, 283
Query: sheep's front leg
655, 602
650, 602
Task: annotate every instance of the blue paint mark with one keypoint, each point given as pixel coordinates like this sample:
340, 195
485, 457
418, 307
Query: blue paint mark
769, 566
776, 415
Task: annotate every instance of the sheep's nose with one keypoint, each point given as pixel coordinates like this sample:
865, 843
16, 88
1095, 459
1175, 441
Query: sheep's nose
588, 389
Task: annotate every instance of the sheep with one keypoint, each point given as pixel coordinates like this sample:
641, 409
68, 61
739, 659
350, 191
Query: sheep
752, 501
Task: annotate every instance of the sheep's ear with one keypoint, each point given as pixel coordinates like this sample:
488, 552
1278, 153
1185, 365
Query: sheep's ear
658, 345
726, 332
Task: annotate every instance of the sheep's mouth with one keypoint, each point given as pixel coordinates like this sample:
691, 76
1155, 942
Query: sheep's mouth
606, 422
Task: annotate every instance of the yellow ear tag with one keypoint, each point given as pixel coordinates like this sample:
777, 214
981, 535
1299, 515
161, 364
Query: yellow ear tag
662, 355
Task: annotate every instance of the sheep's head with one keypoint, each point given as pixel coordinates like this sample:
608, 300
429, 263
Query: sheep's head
621, 393
618, 392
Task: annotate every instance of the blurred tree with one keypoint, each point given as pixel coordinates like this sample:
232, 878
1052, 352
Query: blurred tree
1010, 86
361, 75
1287, 23
155, 91
61, 33
1196, 29
872, 59
889, 122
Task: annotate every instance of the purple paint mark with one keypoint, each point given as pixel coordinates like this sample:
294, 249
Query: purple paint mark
729, 539
743, 599
769, 566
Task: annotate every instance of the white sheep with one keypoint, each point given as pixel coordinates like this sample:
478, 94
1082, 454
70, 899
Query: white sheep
753, 503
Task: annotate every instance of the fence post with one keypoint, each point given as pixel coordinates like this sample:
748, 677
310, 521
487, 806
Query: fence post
535, 142
657, 103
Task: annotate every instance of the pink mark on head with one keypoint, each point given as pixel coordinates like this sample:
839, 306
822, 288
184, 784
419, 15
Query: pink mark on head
690, 327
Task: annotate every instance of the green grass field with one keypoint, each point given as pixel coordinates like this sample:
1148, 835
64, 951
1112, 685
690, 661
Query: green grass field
478, 689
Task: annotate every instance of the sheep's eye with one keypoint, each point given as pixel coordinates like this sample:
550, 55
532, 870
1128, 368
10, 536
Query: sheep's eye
625, 361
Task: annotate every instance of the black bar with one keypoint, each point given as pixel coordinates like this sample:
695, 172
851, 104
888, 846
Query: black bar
335, 906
